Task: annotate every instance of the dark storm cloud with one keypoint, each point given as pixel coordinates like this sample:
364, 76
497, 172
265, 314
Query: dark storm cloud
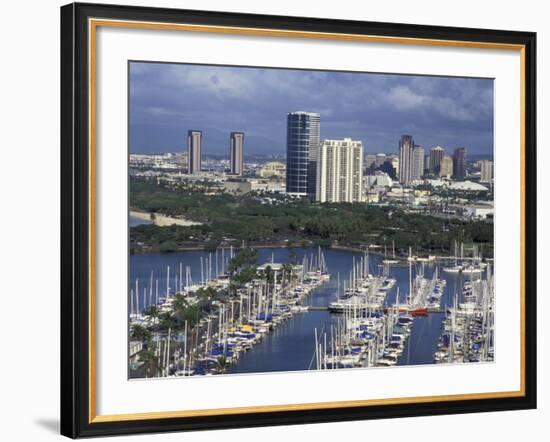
168, 99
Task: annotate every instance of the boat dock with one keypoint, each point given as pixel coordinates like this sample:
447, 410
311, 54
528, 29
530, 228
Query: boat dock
204, 326
323, 308
185, 341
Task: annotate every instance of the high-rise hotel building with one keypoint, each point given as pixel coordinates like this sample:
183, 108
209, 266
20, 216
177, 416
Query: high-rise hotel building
459, 162
406, 147
302, 146
436, 155
236, 152
486, 171
446, 166
340, 171
411, 160
194, 151
417, 165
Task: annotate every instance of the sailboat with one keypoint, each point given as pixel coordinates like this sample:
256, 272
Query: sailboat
472, 268
392, 260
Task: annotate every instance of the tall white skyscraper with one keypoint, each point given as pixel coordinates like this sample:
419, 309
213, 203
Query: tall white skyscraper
486, 171
236, 146
406, 147
446, 166
340, 171
417, 166
194, 151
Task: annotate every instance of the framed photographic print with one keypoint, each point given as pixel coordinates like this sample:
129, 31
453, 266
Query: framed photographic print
279, 220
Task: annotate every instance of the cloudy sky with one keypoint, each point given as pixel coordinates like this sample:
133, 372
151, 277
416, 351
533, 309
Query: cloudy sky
168, 99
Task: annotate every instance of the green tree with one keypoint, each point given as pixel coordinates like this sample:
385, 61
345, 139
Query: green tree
168, 246
246, 257
244, 276
140, 333
206, 293
269, 274
222, 364
152, 311
150, 362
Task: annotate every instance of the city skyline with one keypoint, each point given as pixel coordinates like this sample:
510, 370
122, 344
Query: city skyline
168, 99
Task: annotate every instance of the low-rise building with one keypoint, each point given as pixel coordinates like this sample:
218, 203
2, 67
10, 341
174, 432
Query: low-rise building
378, 179
480, 211
273, 169
476, 210
275, 186
237, 187
372, 196
135, 349
437, 183
468, 186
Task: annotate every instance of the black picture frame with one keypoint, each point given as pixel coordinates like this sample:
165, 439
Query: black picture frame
75, 221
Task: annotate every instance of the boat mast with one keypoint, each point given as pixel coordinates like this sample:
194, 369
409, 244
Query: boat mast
410, 276
151, 289
137, 297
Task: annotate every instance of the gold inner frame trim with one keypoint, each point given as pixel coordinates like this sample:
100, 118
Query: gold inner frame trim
93, 24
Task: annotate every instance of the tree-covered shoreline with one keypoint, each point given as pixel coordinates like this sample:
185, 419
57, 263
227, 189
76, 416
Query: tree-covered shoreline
261, 220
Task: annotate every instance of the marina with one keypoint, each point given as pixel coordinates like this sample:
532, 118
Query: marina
468, 327
309, 308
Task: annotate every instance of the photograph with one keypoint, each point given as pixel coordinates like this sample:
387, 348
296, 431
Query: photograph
276, 220
285, 220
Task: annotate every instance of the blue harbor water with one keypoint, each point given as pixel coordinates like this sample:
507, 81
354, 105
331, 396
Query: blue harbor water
290, 346
134, 221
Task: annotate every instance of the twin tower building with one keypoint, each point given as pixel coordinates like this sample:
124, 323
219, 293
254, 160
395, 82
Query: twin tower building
194, 152
327, 171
